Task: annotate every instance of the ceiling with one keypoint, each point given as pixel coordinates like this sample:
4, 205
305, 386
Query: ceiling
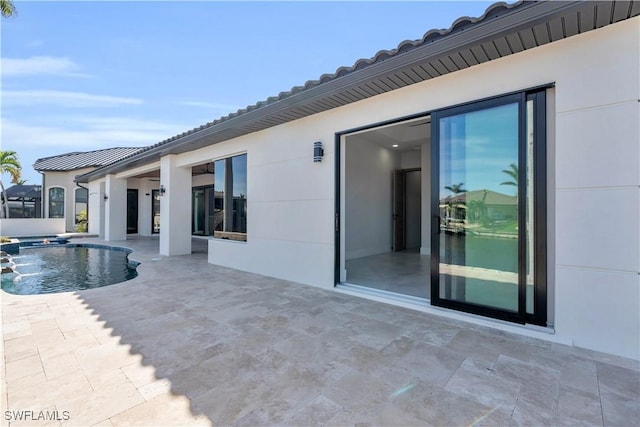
409, 135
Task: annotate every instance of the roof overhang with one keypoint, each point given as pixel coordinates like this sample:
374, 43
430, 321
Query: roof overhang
503, 30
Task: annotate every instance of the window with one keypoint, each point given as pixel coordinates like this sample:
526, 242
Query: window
230, 198
56, 202
81, 204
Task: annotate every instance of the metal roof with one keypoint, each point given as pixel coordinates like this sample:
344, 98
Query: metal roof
20, 192
84, 159
504, 29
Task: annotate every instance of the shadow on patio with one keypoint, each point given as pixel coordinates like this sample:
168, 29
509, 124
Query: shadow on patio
191, 343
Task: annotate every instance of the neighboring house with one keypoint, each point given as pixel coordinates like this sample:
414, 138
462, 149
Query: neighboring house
338, 183
24, 201
62, 198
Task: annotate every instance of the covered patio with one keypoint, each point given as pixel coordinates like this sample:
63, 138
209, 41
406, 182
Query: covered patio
187, 342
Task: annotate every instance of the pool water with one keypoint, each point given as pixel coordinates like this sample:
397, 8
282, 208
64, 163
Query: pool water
45, 270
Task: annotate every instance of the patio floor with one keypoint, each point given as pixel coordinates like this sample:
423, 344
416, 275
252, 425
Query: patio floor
187, 342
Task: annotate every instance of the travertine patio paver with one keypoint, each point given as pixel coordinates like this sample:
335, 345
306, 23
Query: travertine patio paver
188, 343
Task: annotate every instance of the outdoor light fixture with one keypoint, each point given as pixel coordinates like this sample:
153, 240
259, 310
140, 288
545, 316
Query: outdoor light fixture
395, 145
318, 152
162, 190
106, 197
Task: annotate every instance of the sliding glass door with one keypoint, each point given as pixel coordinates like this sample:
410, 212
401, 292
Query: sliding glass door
485, 188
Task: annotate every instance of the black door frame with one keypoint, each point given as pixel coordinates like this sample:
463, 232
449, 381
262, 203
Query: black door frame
538, 95
539, 316
337, 144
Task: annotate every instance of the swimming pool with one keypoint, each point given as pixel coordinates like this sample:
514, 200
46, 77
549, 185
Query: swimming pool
62, 268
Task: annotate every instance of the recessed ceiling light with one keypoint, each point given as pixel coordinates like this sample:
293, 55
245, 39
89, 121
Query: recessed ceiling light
395, 145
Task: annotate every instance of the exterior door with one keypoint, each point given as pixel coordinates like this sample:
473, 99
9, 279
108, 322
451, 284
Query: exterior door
155, 211
132, 211
484, 195
198, 212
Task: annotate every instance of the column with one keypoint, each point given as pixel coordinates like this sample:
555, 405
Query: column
175, 208
96, 208
115, 221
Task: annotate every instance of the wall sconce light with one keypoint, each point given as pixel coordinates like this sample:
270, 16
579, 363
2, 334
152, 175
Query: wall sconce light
162, 190
106, 197
318, 152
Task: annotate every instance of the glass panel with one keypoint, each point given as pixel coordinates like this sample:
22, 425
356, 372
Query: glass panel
218, 186
132, 211
56, 202
155, 211
81, 205
198, 212
239, 186
210, 211
230, 183
478, 207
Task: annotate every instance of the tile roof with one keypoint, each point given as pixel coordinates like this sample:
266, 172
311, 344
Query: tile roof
84, 159
504, 29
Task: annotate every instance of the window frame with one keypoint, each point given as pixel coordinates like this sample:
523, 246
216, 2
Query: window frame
539, 206
227, 232
49, 201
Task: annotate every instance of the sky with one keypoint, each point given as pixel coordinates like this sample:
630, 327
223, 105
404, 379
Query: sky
80, 76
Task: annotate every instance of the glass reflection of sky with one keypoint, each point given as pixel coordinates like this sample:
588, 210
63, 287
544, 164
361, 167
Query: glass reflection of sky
476, 147
239, 175
239, 168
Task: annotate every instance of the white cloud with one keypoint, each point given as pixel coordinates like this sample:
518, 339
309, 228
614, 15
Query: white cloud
39, 65
64, 99
85, 134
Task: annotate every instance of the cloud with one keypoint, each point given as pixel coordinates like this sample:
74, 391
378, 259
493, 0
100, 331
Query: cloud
64, 99
39, 65
84, 134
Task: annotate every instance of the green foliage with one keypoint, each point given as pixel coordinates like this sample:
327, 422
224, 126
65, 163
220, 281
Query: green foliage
10, 164
7, 8
513, 174
82, 222
456, 188
4, 239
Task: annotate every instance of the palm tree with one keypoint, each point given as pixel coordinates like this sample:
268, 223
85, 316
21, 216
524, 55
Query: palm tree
10, 164
18, 180
513, 174
456, 188
7, 8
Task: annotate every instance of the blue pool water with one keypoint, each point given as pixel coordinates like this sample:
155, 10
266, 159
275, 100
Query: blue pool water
62, 268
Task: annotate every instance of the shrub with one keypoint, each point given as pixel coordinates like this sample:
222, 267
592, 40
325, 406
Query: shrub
82, 222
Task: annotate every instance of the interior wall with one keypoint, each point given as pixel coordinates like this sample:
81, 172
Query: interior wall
368, 209
410, 159
202, 180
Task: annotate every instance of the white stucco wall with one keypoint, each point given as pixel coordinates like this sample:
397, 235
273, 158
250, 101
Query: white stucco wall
96, 207
64, 180
24, 227
593, 194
